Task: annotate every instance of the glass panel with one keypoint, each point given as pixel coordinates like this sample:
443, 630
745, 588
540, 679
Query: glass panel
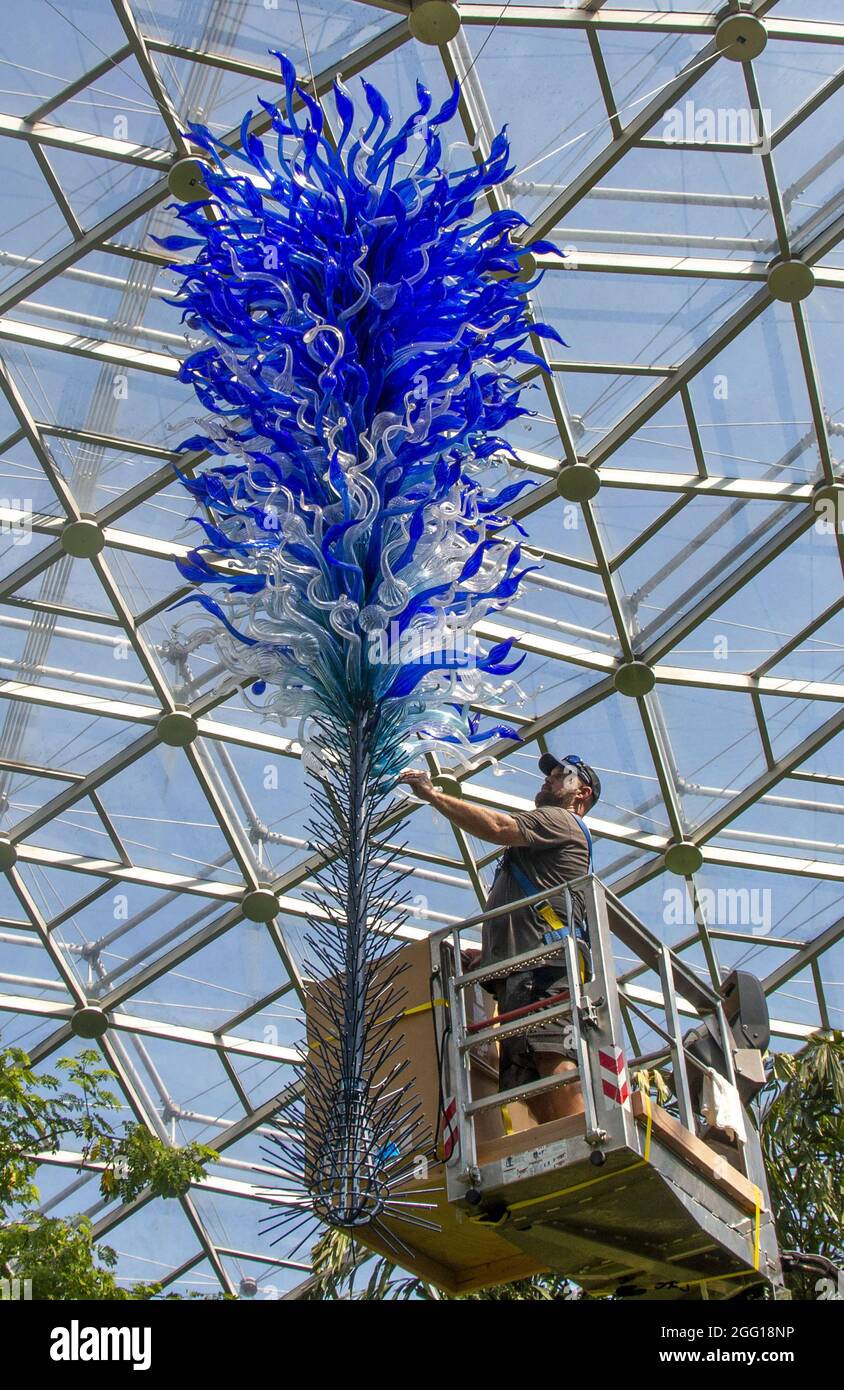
752, 405
326, 30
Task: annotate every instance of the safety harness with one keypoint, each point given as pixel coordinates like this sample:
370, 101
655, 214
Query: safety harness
550, 917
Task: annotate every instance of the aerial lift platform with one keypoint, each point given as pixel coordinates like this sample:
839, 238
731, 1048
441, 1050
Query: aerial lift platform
626, 1198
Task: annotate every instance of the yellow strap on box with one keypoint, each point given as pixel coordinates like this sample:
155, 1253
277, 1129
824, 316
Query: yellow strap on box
405, 1013
421, 1008
646, 1096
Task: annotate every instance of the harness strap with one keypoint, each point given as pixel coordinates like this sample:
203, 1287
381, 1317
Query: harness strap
585, 828
528, 887
544, 910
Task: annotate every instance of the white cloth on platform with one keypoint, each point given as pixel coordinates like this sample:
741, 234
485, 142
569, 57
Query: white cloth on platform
721, 1106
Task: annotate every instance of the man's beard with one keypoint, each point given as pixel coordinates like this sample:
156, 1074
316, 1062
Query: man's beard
552, 798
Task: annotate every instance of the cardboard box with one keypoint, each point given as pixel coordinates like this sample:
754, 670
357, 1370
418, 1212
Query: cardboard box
458, 1255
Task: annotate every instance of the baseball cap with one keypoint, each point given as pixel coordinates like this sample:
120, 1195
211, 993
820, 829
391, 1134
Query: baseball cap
587, 774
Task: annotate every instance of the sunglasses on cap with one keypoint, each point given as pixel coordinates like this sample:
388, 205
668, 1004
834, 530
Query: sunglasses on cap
572, 762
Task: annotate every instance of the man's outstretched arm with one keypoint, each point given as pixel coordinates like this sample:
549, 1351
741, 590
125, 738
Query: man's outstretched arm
495, 826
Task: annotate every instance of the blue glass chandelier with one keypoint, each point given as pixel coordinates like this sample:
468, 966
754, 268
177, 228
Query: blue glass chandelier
359, 325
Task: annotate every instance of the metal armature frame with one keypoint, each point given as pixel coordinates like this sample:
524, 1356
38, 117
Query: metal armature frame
33, 680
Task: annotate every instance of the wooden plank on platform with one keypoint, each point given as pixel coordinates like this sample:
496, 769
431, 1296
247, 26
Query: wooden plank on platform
573, 1126
687, 1146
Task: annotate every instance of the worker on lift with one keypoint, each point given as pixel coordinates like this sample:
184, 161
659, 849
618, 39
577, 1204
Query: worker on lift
545, 848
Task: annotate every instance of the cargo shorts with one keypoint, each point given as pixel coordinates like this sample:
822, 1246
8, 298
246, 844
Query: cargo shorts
517, 1056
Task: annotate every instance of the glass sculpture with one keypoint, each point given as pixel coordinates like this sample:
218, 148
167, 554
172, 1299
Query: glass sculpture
360, 321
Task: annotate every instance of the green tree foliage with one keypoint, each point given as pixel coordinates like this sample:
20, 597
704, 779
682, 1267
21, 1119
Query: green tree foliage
62, 1261
802, 1133
39, 1115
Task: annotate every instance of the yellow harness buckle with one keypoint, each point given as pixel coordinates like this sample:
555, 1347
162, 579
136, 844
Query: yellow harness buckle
549, 916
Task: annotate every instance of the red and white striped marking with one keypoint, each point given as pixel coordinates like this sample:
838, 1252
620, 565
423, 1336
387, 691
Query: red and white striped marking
450, 1128
614, 1075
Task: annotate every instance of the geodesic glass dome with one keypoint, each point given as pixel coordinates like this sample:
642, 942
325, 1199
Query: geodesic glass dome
684, 632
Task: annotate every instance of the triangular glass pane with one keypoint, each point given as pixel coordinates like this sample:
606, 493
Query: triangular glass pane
790, 720
24, 486
114, 398
220, 981
326, 29
19, 543
117, 106
821, 313
746, 631
715, 746
559, 130
65, 739
819, 657
635, 318
752, 406
599, 399
69, 582
33, 204
66, 47
164, 819
95, 187
22, 794
771, 827
806, 169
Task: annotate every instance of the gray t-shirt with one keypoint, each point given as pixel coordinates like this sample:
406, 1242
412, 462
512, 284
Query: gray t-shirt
556, 852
